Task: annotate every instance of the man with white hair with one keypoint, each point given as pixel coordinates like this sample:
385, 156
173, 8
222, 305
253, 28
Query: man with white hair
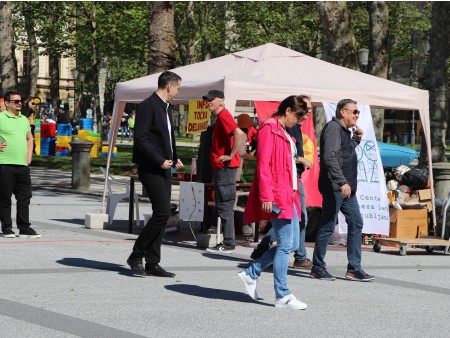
225, 162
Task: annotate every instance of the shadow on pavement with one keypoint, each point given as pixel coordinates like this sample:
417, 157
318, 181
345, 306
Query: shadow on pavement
97, 265
224, 257
77, 221
200, 291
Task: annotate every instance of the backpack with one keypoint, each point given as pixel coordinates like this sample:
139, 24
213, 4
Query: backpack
415, 178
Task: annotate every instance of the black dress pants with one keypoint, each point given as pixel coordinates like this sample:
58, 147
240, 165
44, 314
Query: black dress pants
158, 186
15, 179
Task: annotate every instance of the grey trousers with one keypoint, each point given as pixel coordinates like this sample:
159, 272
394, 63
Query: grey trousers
225, 196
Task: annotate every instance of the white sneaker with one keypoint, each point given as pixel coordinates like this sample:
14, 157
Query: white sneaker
290, 302
250, 284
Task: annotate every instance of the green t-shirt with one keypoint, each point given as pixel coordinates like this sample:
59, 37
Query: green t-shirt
13, 132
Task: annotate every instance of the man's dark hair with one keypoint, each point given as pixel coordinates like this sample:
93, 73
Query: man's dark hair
293, 102
8, 95
167, 77
341, 104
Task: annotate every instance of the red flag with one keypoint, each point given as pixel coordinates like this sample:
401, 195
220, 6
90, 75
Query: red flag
310, 178
265, 109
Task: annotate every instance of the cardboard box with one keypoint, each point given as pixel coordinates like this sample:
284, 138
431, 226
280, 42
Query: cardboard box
425, 197
422, 196
409, 223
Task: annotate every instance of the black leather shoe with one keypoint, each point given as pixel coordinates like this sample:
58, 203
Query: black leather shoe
136, 266
157, 271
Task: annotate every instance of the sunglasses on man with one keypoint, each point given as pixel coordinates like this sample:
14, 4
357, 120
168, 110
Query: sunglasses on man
354, 111
15, 101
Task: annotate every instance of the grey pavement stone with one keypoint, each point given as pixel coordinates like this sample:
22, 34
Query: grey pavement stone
74, 282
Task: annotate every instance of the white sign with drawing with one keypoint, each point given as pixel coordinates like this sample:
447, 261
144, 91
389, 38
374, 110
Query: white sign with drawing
192, 197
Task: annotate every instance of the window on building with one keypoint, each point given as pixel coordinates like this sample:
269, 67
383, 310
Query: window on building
54, 64
26, 67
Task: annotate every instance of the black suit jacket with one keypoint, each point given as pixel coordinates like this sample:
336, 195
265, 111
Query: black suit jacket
152, 144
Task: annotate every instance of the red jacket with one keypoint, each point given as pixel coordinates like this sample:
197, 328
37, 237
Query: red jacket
273, 175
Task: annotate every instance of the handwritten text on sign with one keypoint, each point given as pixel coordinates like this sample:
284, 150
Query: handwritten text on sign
198, 117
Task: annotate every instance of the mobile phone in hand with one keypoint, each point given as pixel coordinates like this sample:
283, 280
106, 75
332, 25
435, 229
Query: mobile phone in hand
275, 209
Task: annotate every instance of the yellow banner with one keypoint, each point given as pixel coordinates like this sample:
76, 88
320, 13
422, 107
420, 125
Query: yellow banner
198, 116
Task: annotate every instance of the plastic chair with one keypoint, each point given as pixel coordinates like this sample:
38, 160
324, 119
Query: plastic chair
115, 198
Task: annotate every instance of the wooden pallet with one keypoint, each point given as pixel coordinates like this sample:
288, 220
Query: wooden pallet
427, 243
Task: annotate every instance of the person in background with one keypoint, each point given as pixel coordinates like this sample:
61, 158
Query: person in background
131, 122
106, 126
224, 161
2, 104
246, 152
275, 195
50, 118
63, 116
32, 121
338, 181
16, 151
155, 153
123, 126
301, 261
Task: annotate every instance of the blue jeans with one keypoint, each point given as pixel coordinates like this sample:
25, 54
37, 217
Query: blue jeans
300, 253
123, 132
286, 231
225, 196
333, 202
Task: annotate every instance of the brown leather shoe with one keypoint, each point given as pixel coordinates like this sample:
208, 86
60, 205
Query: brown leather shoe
302, 264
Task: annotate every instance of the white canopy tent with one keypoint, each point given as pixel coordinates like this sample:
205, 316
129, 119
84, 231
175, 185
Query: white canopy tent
271, 73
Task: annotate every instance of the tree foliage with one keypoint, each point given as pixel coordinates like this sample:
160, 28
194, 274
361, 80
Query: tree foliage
293, 24
118, 31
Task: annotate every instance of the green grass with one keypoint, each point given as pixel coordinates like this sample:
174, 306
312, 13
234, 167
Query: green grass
122, 164
185, 139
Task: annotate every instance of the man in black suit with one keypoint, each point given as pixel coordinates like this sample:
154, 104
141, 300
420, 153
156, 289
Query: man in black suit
155, 153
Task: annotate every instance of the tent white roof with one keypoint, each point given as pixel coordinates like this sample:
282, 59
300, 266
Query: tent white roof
271, 73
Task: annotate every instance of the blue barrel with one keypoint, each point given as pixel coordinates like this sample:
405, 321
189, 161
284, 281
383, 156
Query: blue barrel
87, 124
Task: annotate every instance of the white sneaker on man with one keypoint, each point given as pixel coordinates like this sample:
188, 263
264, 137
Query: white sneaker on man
250, 284
290, 302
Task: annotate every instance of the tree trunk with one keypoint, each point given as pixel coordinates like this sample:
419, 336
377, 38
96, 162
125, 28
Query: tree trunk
187, 49
98, 118
338, 30
54, 78
162, 44
8, 62
206, 50
437, 77
378, 53
190, 55
378, 48
34, 53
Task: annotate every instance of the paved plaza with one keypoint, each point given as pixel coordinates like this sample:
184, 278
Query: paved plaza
74, 282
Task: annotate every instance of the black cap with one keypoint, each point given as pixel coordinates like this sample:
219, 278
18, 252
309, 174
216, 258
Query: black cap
212, 94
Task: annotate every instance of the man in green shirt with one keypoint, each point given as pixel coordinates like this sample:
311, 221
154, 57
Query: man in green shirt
16, 151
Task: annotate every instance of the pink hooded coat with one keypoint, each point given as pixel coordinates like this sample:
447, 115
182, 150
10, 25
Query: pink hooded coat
273, 175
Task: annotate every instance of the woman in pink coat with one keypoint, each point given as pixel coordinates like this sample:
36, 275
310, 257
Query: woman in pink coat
275, 195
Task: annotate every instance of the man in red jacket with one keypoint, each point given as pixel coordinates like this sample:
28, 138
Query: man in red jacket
225, 161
